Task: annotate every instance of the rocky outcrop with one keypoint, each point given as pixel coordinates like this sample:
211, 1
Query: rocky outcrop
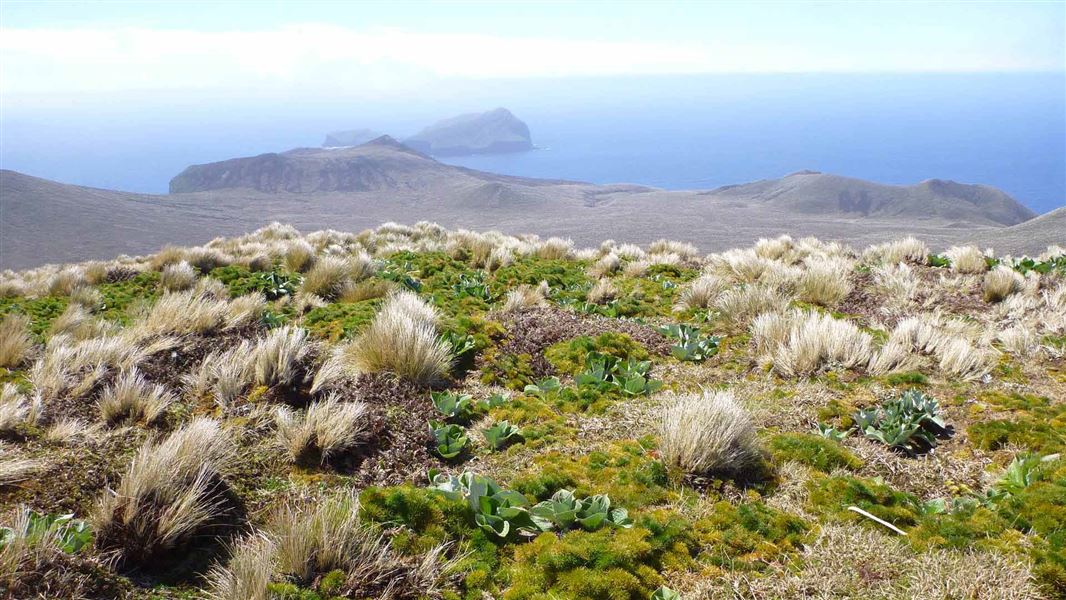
492, 132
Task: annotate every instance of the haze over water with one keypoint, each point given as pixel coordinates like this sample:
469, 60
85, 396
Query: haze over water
680, 132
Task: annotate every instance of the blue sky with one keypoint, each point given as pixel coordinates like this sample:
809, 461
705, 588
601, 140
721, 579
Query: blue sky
49, 48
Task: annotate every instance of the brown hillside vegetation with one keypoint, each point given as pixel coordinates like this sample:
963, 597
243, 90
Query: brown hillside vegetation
416, 412
352, 188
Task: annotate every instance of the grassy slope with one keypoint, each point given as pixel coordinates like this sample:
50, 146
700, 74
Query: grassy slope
776, 534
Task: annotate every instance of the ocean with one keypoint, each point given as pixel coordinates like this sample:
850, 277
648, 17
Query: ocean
1003, 130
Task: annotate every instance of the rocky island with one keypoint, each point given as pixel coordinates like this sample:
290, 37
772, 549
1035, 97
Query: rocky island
493, 132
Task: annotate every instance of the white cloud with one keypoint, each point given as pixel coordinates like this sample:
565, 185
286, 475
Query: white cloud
316, 57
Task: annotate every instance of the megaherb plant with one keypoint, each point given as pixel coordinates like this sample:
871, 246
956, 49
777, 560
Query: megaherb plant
456, 407
507, 513
910, 423
500, 433
70, 534
474, 286
451, 439
691, 346
665, 593
543, 387
630, 377
502, 513
564, 511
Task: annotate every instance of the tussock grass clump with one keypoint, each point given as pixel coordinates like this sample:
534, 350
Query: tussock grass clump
803, 342
1001, 282
332, 275
185, 313
606, 266
15, 340
707, 433
683, 249
327, 429
825, 282
35, 562
740, 305
178, 277
170, 492
74, 368
966, 259
14, 469
15, 411
224, 374
907, 250
87, 297
701, 292
555, 249
132, 400
280, 356
65, 281
526, 296
604, 291
302, 543
402, 339
950, 342
76, 323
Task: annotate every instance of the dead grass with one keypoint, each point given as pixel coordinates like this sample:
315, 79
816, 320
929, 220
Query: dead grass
14, 469
178, 277
132, 400
967, 259
1001, 282
15, 340
402, 341
526, 296
327, 429
307, 540
801, 343
707, 433
851, 561
170, 491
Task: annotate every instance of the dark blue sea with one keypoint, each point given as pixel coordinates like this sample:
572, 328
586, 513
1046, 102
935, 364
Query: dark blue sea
1003, 130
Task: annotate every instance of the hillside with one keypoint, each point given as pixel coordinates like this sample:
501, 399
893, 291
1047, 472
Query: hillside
364, 186
493, 132
351, 137
811, 192
416, 412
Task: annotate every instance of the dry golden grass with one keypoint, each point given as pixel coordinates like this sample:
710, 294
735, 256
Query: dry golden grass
740, 305
555, 248
301, 542
328, 428
178, 277
967, 259
526, 296
185, 313
169, 492
401, 340
328, 278
701, 292
278, 357
1000, 283
15, 411
707, 433
852, 561
15, 340
801, 343
73, 367
906, 250
34, 566
132, 400
604, 291
14, 469
825, 282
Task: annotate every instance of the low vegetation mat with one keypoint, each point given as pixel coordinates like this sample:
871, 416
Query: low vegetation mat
413, 412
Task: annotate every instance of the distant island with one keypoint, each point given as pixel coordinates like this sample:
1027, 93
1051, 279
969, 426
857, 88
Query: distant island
493, 132
496, 131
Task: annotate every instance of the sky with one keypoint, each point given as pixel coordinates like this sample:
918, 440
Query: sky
50, 50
